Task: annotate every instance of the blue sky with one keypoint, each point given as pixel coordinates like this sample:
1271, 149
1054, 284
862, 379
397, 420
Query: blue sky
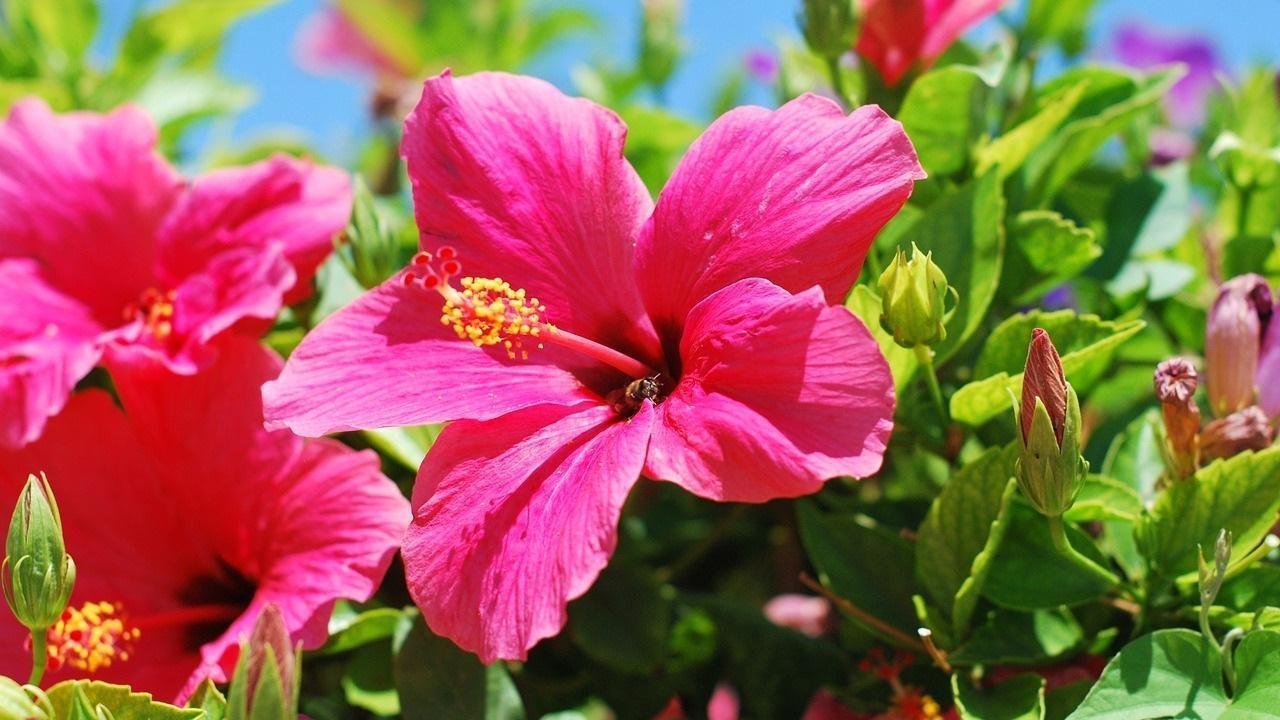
331, 111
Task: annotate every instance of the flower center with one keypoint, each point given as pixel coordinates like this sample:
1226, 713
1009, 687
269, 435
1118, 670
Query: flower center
91, 638
489, 311
155, 309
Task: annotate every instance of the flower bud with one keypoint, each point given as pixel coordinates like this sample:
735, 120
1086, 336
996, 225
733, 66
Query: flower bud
37, 572
371, 251
1050, 470
830, 27
1237, 320
1246, 429
18, 704
267, 679
660, 44
1175, 384
914, 293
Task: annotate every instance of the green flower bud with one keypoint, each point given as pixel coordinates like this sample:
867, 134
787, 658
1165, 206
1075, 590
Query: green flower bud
914, 293
1050, 470
830, 27
267, 677
38, 574
372, 250
660, 43
16, 703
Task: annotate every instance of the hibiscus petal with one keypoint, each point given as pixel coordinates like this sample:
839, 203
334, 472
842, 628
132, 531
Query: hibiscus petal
780, 393
892, 34
48, 341
515, 518
305, 522
239, 283
277, 201
794, 195
84, 195
531, 186
387, 360
132, 543
948, 20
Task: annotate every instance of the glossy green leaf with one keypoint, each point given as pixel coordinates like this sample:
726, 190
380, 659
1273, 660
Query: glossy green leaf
1063, 22
960, 535
1010, 637
64, 26
1104, 498
1018, 698
1029, 573
1240, 494
362, 629
1009, 151
942, 114
123, 703
984, 399
188, 30
368, 681
436, 679
1167, 673
624, 619
853, 556
1257, 692
965, 232
209, 700
1045, 249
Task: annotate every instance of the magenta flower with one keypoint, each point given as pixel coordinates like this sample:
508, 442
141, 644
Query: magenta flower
329, 43
899, 35
185, 518
700, 341
105, 251
1143, 47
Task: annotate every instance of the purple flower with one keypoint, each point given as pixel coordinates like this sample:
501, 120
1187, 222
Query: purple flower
1142, 46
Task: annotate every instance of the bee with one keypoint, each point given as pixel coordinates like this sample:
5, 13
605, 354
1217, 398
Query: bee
629, 399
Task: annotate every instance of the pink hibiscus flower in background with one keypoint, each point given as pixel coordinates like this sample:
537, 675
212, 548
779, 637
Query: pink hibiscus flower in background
104, 250
701, 341
898, 35
185, 518
329, 43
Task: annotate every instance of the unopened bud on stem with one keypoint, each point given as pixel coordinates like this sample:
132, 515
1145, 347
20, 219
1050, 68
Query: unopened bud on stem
1175, 384
1233, 337
830, 27
38, 573
914, 295
1050, 470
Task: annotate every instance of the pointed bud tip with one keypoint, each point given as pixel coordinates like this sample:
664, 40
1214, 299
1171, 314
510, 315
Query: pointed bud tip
1043, 379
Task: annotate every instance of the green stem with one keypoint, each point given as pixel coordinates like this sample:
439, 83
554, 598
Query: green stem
837, 81
39, 656
925, 355
1058, 532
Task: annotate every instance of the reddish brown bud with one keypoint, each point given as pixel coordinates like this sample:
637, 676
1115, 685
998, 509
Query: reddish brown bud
1175, 385
1043, 379
1246, 429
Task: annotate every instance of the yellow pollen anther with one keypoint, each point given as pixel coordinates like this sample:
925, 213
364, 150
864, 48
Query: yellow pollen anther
155, 308
488, 311
94, 637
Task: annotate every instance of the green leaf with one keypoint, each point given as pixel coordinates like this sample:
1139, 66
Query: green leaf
362, 629
190, 30
1135, 457
981, 400
368, 680
209, 700
1104, 498
964, 231
1257, 661
123, 703
1029, 573
656, 140
1110, 101
1045, 250
1240, 494
1167, 673
1009, 637
1254, 588
942, 114
851, 553
1060, 21
961, 533
624, 620
67, 26
406, 445
1018, 698
1008, 152
176, 99
436, 679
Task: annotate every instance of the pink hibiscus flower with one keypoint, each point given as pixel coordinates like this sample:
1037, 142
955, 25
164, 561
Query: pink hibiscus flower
329, 43
898, 35
700, 341
185, 517
105, 250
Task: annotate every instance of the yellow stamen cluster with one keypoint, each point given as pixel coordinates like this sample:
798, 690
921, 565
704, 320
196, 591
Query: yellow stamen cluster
94, 637
156, 310
488, 311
